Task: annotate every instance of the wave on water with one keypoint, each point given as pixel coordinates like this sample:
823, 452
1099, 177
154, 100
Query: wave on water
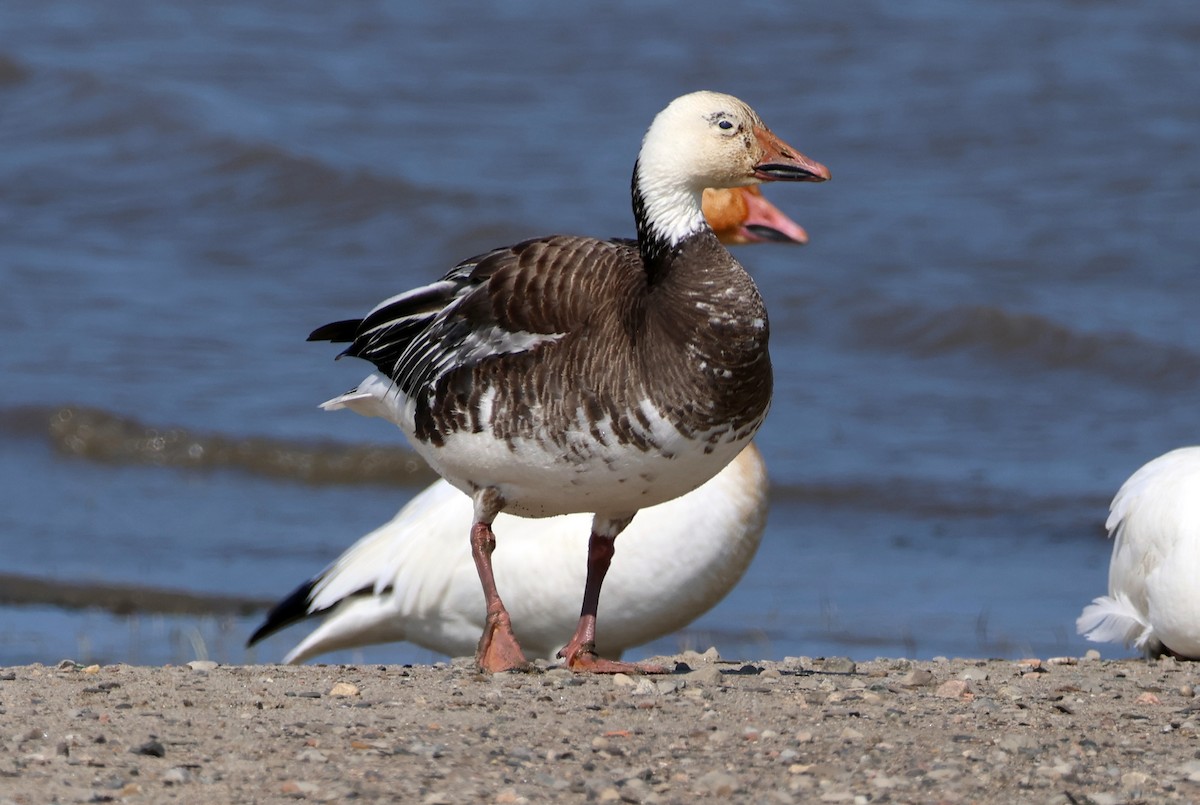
1030, 339
11, 71
920, 499
111, 438
122, 599
282, 179
166, 138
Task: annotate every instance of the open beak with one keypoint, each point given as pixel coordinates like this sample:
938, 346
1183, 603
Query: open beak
766, 222
782, 163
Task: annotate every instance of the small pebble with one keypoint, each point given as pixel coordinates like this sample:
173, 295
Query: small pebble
708, 675
850, 735
152, 748
1135, 781
885, 782
299, 788
838, 665
665, 686
1017, 742
644, 687
343, 689
177, 775
953, 689
711, 655
917, 678
311, 756
1191, 770
509, 796
31, 734
717, 784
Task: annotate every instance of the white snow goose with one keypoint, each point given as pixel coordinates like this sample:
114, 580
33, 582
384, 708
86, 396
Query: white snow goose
1153, 600
569, 374
413, 578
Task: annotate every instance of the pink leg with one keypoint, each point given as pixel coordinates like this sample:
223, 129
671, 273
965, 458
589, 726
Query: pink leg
580, 653
498, 648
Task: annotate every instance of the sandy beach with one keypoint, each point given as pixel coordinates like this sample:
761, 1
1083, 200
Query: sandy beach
802, 730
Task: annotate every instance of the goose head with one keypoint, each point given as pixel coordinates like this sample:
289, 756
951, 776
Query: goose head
741, 215
707, 139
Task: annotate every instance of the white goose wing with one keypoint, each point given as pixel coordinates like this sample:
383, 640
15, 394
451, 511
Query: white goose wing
359, 589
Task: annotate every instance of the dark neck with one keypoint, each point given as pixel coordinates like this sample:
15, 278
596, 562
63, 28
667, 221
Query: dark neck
655, 250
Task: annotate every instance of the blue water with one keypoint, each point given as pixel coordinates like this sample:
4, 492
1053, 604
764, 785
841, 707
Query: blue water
993, 325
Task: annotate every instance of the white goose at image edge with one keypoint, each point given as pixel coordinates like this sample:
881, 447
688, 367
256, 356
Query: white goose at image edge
1153, 601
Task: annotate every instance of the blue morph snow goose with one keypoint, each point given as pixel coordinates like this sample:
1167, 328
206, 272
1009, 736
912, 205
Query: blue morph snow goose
413, 579
569, 374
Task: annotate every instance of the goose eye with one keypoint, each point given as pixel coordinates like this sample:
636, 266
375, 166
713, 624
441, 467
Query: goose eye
725, 124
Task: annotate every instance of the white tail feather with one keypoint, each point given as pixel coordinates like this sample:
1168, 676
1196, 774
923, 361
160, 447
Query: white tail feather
1111, 619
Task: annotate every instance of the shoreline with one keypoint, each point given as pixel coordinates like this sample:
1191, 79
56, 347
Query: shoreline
20, 590
1067, 730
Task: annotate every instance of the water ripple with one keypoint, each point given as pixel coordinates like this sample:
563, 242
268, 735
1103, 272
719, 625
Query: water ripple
110, 438
1029, 339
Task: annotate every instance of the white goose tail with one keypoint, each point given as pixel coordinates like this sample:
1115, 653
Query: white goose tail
360, 621
1112, 619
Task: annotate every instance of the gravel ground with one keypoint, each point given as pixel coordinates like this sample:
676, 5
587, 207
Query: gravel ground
802, 730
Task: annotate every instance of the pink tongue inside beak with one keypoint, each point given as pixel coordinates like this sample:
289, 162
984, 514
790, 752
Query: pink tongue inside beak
766, 222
